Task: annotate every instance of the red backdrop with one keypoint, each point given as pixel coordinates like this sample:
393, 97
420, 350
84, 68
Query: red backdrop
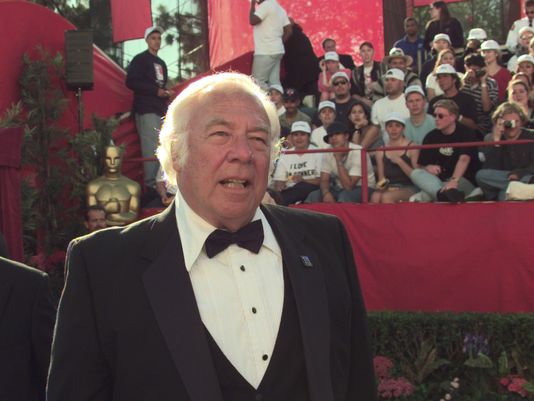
348, 22
437, 257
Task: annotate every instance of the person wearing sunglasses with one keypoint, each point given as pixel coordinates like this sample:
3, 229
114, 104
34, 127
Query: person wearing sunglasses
447, 173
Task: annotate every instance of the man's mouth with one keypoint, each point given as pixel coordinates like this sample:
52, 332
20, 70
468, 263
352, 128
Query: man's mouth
235, 183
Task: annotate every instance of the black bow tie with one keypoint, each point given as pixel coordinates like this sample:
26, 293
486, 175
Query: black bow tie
249, 237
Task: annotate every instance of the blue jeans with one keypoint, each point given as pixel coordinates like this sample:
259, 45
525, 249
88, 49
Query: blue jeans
431, 184
495, 182
148, 126
266, 69
340, 195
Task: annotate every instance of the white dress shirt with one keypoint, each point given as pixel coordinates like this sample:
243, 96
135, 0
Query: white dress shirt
239, 294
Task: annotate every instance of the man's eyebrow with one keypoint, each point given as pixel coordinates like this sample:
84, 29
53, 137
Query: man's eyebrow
221, 121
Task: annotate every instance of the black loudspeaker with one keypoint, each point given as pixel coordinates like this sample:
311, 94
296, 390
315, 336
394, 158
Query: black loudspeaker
79, 59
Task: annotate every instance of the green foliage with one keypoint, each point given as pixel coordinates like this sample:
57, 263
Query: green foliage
430, 349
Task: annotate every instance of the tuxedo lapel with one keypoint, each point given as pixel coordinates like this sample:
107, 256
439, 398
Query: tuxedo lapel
171, 296
306, 277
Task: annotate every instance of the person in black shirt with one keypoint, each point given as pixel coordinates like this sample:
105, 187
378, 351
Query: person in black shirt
147, 78
450, 83
442, 22
447, 173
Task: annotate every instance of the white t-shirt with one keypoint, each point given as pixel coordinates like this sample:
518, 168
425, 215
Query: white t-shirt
432, 83
353, 165
268, 33
307, 165
383, 108
317, 136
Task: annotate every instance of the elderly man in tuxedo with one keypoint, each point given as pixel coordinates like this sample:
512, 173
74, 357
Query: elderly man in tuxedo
217, 298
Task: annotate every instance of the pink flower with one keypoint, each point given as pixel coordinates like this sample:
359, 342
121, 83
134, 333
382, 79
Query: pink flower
383, 366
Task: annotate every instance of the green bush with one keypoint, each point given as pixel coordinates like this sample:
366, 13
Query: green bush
480, 349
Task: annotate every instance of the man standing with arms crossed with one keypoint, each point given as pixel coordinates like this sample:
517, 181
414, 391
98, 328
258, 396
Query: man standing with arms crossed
147, 78
271, 28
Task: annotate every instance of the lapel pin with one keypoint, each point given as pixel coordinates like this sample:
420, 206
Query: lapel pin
306, 261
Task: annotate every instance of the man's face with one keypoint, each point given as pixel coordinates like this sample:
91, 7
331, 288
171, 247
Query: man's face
327, 116
489, 55
329, 46
415, 102
397, 62
367, 53
473, 44
339, 140
443, 118
224, 176
154, 41
300, 140
275, 96
112, 159
291, 105
445, 81
410, 28
96, 220
393, 86
473, 69
512, 133
440, 45
341, 87
530, 12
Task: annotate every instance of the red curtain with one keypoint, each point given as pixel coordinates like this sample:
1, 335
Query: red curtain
130, 18
349, 23
436, 257
10, 197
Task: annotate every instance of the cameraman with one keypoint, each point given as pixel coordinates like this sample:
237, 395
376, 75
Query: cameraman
506, 163
482, 88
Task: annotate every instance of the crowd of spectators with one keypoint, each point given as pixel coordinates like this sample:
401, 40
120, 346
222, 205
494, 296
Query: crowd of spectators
430, 89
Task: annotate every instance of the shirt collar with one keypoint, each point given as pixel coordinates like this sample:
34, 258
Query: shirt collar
194, 230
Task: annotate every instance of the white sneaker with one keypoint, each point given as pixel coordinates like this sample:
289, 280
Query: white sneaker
519, 191
421, 197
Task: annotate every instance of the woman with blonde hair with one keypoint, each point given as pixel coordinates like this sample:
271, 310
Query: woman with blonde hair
445, 56
519, 93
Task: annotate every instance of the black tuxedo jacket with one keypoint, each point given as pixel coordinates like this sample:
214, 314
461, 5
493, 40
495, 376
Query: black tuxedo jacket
129, 329
27, 316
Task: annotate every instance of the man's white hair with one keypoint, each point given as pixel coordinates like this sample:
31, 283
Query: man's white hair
176, 125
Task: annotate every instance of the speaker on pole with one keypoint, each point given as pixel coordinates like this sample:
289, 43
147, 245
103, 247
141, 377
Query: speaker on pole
79, 59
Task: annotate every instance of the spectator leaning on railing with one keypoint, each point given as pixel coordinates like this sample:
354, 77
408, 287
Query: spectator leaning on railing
507, 163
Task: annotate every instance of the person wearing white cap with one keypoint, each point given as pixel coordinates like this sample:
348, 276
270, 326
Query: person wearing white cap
525, 64
450, 83
445, 56
271, 28
147, 78
340, 81
276, 94
525, 36
329, 68
393, 102
395, 166
474, 40
447, 173
440, 42
491, 51
296, 175
442, 22
513, 33
330, 45
420, 122
483, 89
327, 115
396, 59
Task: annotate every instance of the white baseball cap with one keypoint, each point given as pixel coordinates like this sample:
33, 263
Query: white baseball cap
414, 89
151, 29
326, 103
477, 34
446, 69
526, 29
525, 58
339, 74
490, 45
333, 56
442, 36
394, 73
393, 116
277, 87
301, 126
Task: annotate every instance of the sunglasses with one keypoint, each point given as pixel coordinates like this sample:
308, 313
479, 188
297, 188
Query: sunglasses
439, 116
337, 83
